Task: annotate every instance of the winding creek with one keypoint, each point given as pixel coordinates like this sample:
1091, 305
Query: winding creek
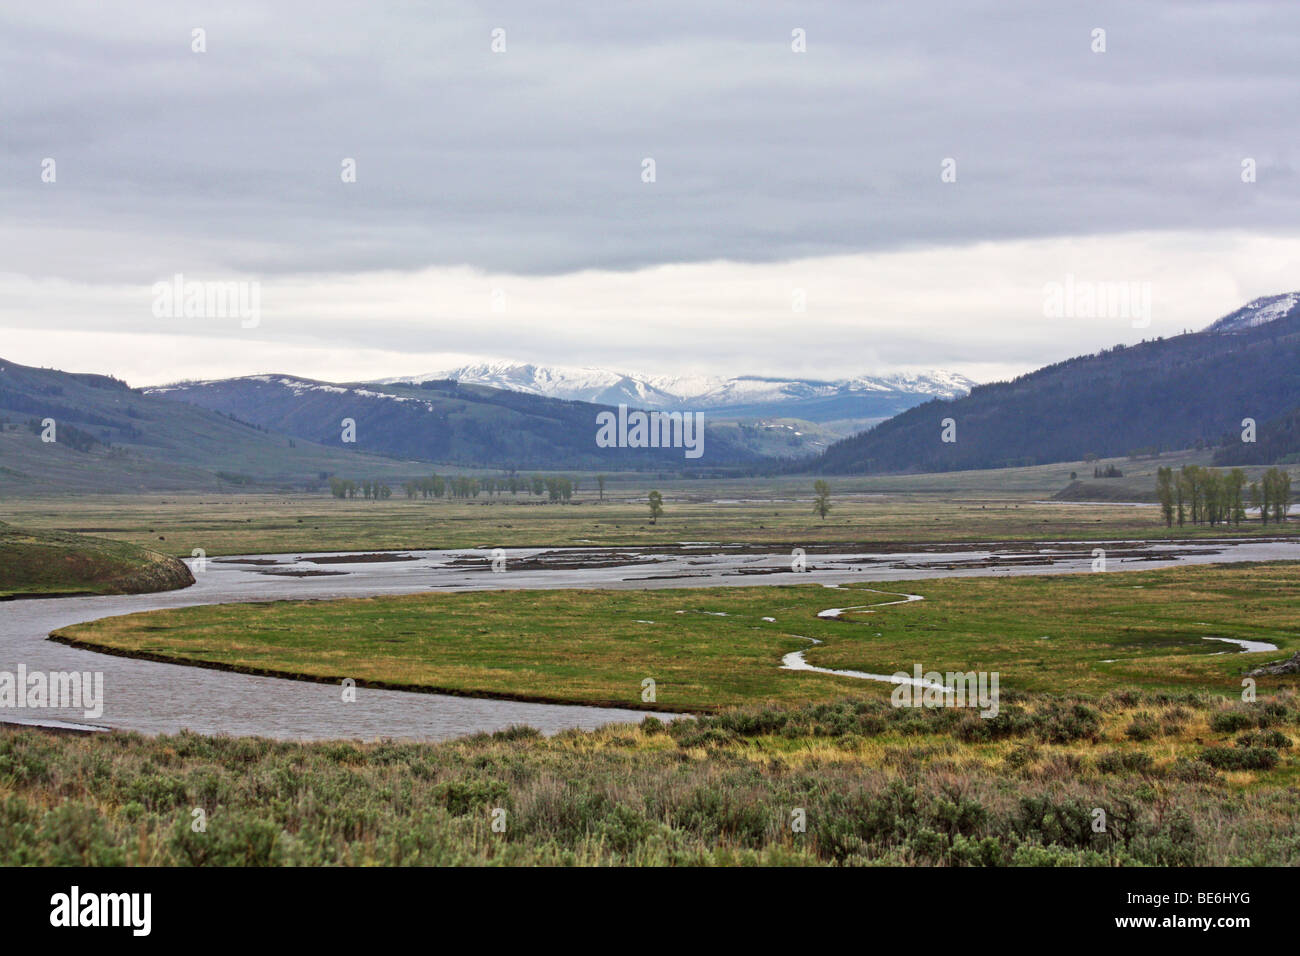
154, 697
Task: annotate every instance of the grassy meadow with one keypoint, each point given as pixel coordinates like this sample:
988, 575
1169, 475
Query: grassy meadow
1005, 505
713, 648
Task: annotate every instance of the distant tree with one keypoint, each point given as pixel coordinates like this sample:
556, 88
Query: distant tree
1277, 494
600, 483
1180, 494
656, 506
1165, 492
1236, 483
822, 502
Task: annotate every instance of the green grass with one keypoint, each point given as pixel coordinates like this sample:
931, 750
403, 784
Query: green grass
33, 564
775, 512
709, 649
876, 785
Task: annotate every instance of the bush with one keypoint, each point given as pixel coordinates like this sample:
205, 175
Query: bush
1231, 721
1125, 761
1141, 728
652, 726
1272, 738
1240, 758
462, 797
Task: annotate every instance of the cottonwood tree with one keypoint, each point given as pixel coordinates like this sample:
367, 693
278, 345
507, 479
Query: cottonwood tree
656, 506
822, 502
1165, 492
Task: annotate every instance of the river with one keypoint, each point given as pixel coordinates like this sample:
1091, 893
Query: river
155, 698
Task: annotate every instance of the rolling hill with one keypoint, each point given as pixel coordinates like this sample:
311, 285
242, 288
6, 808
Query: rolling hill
1193, 389
452, 423
109, 437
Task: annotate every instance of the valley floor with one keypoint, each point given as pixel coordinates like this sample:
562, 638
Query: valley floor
707, 649
1121, 699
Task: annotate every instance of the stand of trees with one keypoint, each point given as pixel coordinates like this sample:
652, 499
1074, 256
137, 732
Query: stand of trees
1209, 496
555, 489
371, 490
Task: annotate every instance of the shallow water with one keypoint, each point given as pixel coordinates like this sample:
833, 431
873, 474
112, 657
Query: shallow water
164, 698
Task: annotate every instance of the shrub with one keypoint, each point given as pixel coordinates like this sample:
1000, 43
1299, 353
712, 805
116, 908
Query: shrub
1240, 758
462, 797
1231, 721
1142, 727
1272, 738
652, 726
1125, 761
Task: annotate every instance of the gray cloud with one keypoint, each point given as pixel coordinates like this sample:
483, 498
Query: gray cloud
529, 161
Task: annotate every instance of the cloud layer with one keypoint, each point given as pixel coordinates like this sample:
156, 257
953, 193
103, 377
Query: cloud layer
523, 170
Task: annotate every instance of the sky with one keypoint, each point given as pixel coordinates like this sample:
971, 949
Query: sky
838, 189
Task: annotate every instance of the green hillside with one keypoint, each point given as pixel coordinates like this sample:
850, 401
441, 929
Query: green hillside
1191, 391
109, 437
462, 426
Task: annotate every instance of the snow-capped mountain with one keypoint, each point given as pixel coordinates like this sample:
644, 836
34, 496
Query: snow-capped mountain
862, 397
1257, 312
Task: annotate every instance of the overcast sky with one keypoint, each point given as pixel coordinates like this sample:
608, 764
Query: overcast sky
499, 208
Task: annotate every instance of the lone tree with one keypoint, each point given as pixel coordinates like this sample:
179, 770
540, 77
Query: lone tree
656, 506
1165, 492
822, 503
600, 483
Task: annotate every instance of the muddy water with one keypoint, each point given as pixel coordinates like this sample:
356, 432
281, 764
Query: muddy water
164, 698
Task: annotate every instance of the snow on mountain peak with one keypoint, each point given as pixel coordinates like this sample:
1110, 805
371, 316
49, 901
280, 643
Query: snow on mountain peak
682, 391
1257, 312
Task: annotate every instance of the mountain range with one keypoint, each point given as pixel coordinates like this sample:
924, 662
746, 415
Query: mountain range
868, 398
1195, 389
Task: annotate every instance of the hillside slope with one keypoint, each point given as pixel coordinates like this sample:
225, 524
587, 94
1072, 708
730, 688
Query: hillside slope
1166, 394
445, 421
109, 437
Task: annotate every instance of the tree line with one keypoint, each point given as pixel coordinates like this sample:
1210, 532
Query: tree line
554, 489
1209, 496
